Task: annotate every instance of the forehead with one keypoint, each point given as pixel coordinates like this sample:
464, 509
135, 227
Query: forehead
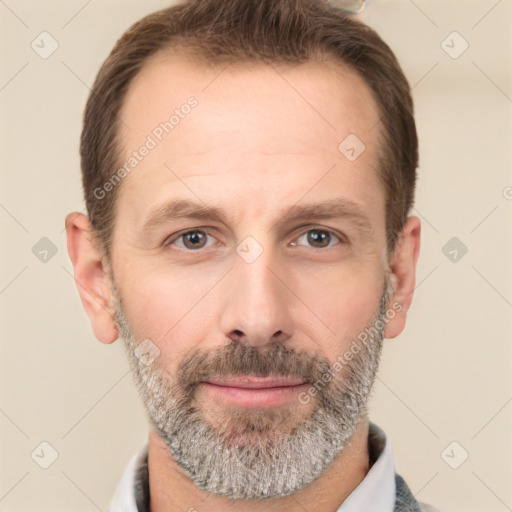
268, 131
329, 95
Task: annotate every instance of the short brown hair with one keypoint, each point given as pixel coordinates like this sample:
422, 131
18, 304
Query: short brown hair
291, 31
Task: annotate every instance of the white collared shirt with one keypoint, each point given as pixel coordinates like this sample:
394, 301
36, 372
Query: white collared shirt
375, 493
124, 498
377, 490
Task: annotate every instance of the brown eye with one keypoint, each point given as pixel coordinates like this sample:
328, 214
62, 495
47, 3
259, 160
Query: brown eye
318, 238
194, 240
191, 240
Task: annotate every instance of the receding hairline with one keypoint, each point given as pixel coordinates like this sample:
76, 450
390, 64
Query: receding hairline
192, 56
191, 52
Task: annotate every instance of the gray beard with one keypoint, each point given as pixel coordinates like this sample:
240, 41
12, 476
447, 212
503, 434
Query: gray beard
256, 454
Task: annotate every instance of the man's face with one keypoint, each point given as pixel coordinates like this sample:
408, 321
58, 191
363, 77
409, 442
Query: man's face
265, 286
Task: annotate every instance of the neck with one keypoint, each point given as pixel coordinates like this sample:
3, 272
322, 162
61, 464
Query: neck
172, 490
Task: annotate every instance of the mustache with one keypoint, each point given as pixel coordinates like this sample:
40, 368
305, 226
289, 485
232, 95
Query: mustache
238, 359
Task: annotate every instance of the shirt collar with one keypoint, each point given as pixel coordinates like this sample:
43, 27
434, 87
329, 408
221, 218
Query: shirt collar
125, 498
376, 492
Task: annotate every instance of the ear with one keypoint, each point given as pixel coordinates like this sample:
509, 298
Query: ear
403, 279
91, 277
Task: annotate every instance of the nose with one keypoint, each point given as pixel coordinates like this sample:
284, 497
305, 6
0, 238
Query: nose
257, 306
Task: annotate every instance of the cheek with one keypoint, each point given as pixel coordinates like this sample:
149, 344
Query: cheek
344, 302
169, 308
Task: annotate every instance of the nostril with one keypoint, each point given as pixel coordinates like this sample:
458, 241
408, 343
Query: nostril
240, 336
238, 333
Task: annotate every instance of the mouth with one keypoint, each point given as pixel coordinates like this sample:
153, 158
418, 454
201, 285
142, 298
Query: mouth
252, 382
252, 391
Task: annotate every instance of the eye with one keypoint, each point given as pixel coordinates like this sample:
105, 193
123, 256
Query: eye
318, 238
192, 240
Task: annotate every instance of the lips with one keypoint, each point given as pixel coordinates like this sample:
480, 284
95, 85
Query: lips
253, 382
249, 391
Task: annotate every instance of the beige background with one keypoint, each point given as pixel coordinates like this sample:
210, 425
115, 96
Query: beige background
447, 378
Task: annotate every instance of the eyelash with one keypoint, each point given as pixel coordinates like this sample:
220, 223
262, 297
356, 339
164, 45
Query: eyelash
173, 238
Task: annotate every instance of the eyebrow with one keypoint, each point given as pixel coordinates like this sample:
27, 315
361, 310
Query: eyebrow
189, 209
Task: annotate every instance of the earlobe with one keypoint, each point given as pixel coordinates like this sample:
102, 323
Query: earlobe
402, 266
91, 277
